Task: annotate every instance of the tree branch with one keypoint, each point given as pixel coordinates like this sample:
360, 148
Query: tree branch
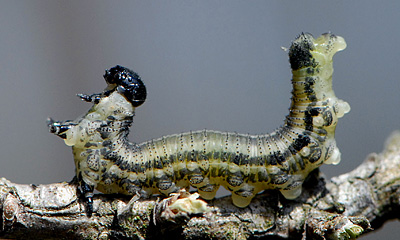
341, 208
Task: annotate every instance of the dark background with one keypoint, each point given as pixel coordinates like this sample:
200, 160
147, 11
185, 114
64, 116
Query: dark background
206, 64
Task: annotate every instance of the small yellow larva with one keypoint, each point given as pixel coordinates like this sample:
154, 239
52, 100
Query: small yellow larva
244, 164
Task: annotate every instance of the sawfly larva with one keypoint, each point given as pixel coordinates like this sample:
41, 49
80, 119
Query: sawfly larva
244, 164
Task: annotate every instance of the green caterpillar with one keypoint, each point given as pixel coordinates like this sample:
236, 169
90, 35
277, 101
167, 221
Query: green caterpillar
244, 164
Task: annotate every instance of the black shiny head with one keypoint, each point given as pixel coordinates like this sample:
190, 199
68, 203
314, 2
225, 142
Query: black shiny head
128, 84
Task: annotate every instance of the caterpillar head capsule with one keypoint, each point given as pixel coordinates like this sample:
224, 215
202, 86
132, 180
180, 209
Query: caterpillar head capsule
128, 83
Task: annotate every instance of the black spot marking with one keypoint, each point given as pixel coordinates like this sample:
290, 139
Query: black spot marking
90, 144
315, 155
93, 162
235, 179
279, 178
209, 188
262, 176
245, 192
300, 142
328, 118
104, 134
163, 183
299, 52
196, 179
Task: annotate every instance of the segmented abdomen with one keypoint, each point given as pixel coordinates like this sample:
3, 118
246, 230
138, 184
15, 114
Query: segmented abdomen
243, 164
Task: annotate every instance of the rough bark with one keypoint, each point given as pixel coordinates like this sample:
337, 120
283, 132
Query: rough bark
343, 207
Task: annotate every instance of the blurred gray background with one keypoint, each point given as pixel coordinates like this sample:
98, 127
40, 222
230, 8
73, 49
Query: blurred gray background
206, 64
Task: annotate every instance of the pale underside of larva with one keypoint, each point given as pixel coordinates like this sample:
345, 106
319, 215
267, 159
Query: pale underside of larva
242, 163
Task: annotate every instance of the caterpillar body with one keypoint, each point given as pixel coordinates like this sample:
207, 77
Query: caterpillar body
242, 163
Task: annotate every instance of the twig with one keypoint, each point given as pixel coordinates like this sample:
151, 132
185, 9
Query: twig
341, 208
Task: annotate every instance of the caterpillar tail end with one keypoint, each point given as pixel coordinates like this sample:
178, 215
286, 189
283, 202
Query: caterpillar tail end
330, 43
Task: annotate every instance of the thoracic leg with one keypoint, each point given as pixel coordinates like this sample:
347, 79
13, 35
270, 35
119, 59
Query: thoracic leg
93, 98
59, 128
87, 191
